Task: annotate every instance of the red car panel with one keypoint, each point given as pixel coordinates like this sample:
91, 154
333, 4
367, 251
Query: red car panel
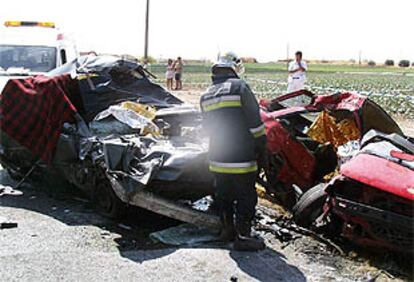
298, 163
343, 101
281, 113
382, 174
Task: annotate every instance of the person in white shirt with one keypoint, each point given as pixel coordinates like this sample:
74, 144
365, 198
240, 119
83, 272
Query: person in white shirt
169, 74
297, 73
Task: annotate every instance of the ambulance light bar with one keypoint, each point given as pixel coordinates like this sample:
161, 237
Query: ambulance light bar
23, 23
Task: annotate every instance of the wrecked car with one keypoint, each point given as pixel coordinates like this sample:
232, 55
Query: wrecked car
340, 160
370, 201
101, 125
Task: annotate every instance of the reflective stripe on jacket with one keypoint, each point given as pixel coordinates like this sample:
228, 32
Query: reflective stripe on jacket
233, 168
232, 120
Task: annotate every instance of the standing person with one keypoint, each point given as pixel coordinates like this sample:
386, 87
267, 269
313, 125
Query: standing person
178, 69
237, 137
297, 73
169, 74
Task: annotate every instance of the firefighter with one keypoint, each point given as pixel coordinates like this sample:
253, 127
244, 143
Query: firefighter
237, 139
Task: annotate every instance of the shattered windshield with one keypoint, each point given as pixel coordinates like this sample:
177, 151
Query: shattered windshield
26, 59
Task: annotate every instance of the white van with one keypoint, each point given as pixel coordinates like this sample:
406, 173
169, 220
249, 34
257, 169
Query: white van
31, 48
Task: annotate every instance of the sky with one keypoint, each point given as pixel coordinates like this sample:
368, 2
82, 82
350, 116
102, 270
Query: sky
264, 29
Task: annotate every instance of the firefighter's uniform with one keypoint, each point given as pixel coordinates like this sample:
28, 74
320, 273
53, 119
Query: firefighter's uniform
237, 135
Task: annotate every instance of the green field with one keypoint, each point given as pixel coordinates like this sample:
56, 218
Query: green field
391, 87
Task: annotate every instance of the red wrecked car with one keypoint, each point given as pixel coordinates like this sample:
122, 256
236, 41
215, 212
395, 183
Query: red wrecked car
340, 161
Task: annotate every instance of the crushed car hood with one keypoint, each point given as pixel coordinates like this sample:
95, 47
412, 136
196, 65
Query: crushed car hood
381, 173
108, 80
96, 84
385, 161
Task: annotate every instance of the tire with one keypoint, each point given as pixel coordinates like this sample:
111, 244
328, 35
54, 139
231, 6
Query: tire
13, 174
107, 203
310, 205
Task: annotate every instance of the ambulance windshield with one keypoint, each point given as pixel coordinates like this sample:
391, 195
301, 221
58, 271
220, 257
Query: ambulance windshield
22, 60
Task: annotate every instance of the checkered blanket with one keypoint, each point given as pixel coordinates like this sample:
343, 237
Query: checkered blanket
33, 110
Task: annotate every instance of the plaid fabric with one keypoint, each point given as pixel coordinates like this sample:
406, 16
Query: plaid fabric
33, 110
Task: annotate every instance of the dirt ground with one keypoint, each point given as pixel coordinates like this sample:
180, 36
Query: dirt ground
407, 125
60, 237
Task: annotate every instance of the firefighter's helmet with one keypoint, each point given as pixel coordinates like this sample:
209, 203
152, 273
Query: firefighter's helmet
230, 60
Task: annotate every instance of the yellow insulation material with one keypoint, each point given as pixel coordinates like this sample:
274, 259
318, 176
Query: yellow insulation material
143, 110
325, 129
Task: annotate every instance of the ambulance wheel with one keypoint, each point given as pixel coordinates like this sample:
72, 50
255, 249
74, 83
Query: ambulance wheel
310, 206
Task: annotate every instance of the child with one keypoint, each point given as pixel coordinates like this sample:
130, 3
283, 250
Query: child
169, 74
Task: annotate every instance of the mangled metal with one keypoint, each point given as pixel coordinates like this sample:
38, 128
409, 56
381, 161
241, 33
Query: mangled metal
106, 80
126, 142
351, 162
371, 197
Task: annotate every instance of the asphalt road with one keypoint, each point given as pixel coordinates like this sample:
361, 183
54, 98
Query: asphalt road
61, 238
65, 240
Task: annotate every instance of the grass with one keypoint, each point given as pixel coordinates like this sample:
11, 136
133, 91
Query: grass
280, 67
391, 87
270, 67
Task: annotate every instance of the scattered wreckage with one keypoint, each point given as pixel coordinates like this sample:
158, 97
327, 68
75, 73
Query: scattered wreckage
101, 125
340, 160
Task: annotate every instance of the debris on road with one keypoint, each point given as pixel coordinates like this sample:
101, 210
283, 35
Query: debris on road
286, 231
123, 226
8, 225
185, 234
25, 177
9, 191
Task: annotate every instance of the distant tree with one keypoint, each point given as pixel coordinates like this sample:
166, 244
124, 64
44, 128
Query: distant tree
389, 63
404, 64
371, 63
412, 64
251, 60
151, 60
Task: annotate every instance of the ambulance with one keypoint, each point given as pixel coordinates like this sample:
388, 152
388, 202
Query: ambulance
32, 48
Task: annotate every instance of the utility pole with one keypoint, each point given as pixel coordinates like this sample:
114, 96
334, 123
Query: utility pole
146, 31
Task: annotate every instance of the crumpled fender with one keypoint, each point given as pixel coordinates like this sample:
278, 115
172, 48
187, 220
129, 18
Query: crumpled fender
382, 174
298, 163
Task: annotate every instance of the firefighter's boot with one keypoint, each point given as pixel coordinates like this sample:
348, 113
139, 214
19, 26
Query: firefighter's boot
245, 242
228, 230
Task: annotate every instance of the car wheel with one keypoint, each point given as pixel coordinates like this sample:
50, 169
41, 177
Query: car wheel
310, 206
14, 174
107, 203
